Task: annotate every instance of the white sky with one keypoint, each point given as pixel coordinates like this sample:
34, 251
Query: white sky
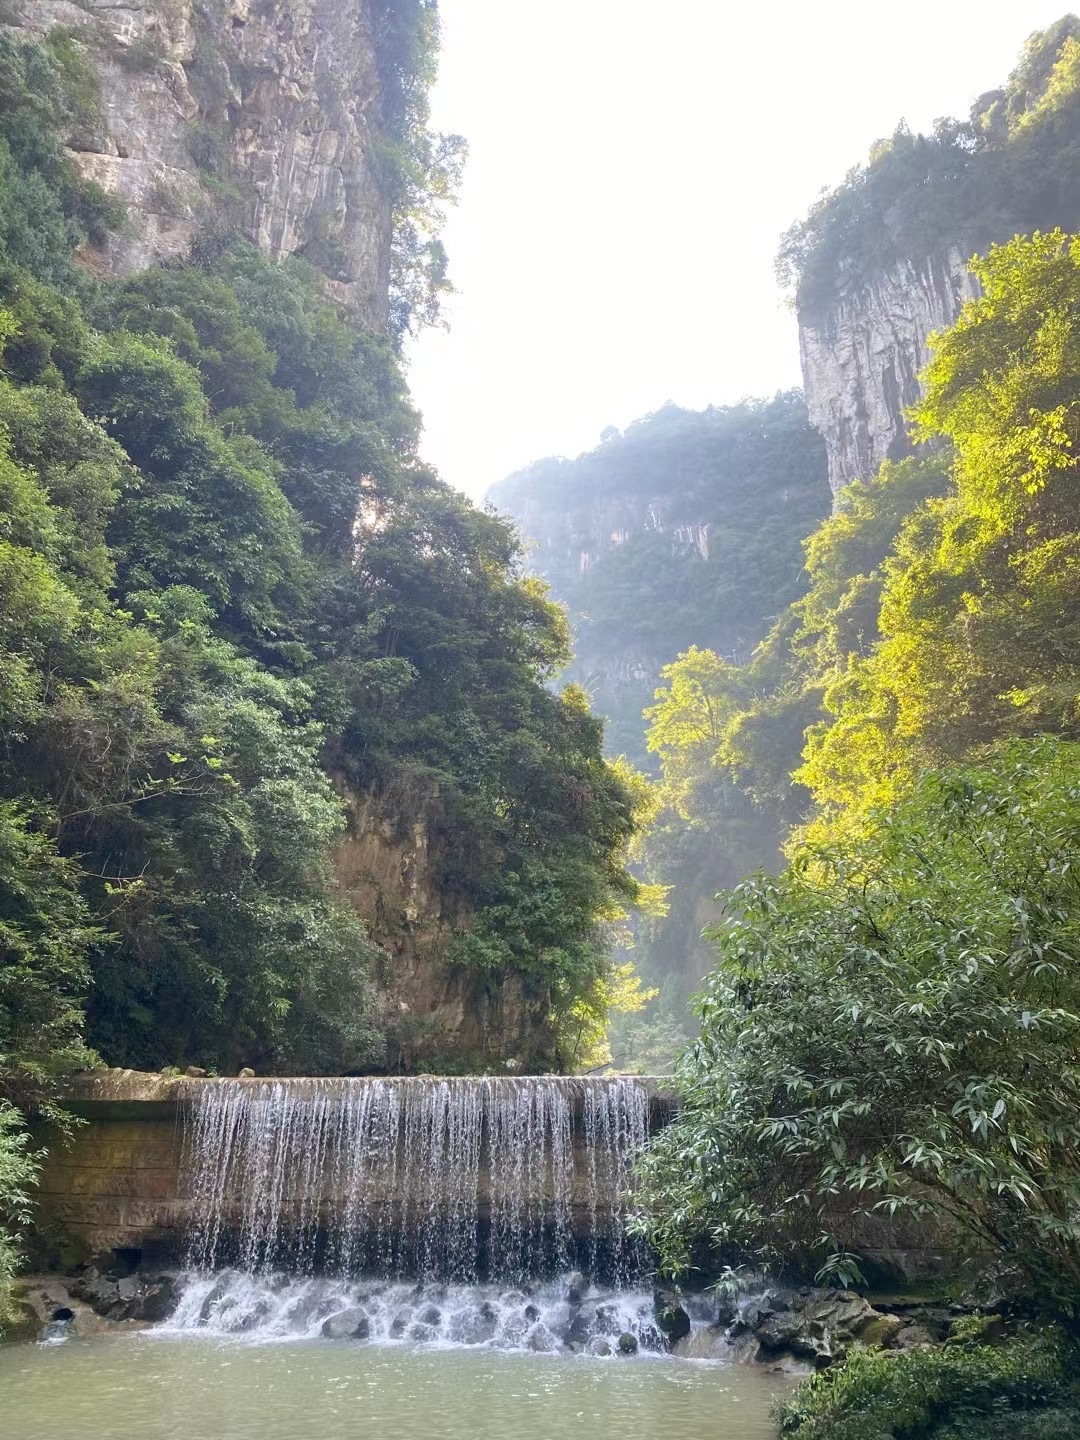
632, 165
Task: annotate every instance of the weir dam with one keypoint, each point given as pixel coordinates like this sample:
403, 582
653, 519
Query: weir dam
454, 1178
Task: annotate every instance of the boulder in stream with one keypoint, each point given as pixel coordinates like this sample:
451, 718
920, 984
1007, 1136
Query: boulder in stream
541, 1339
671, 1319
577, 1331
474, 1326
350, 1324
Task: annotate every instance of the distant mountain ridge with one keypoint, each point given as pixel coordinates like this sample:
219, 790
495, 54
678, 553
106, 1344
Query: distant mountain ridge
685, 529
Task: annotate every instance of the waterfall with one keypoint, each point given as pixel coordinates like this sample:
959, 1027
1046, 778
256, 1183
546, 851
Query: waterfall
453, 1180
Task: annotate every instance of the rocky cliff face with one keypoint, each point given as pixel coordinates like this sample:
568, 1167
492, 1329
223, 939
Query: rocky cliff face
862, 355
567, 543
259, 114
432, 1012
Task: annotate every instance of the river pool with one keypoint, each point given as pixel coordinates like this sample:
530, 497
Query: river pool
159, 1386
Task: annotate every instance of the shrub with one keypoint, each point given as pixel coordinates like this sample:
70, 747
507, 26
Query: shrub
963, 1392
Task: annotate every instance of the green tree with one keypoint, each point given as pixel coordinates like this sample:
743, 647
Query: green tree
892, 1028
978, 614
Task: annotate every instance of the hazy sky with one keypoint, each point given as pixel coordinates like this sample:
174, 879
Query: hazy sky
632, 165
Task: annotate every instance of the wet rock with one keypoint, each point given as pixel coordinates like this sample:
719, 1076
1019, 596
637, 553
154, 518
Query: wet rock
99, 1291
350, 1324
607, 1320
531, 1313
650, 1338
787, 1364
211, 1302
430, 1315
421, 1333
707, 1342
513, 1297
840, 1310
815, 1348
671, 1319
627, 1343
195, 1072
598, 1346
779, 1332
542, 1340
401, 1320
251, 1319
878, 1331
576, 1287
913, 1337
247, 1073
727, 1308
475, 1326
577, 1331
155, 1303
745, 1348
753, 1313
24, 1323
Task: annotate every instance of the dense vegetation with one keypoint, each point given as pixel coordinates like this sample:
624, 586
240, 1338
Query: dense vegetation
967, 1391
1012, 167
228, 590
892, 1026
692, 525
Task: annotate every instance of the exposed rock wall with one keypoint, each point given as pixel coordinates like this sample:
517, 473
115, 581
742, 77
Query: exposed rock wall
119, 1183
569, 541
435, 1013
862, 354
264, 114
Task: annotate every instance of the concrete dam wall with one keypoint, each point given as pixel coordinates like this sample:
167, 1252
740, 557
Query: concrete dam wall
456, 1177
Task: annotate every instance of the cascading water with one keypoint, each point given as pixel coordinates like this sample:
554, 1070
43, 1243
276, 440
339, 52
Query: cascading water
436, 1209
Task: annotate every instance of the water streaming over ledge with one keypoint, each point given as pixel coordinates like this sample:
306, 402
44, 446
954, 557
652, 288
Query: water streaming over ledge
452, 1180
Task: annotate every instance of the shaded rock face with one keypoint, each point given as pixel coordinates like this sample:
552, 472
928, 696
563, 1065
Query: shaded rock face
862, 354
263, 115
433, 1012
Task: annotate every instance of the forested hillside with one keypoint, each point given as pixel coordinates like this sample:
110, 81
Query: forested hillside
683, 533
891, 1028
684, 529
230, 594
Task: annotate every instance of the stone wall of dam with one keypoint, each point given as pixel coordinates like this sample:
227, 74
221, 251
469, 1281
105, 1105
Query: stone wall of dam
454, 1176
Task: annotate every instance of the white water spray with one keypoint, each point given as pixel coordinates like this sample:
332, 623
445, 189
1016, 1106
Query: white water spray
451, 1180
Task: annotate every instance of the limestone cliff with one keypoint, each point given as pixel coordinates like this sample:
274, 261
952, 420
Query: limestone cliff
262, 115
862, 354
881, 262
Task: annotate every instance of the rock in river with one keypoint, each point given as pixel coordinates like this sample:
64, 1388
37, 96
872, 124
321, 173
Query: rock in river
347, 1325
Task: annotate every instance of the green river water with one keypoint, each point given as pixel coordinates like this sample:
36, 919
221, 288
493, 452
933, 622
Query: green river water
190, 1387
